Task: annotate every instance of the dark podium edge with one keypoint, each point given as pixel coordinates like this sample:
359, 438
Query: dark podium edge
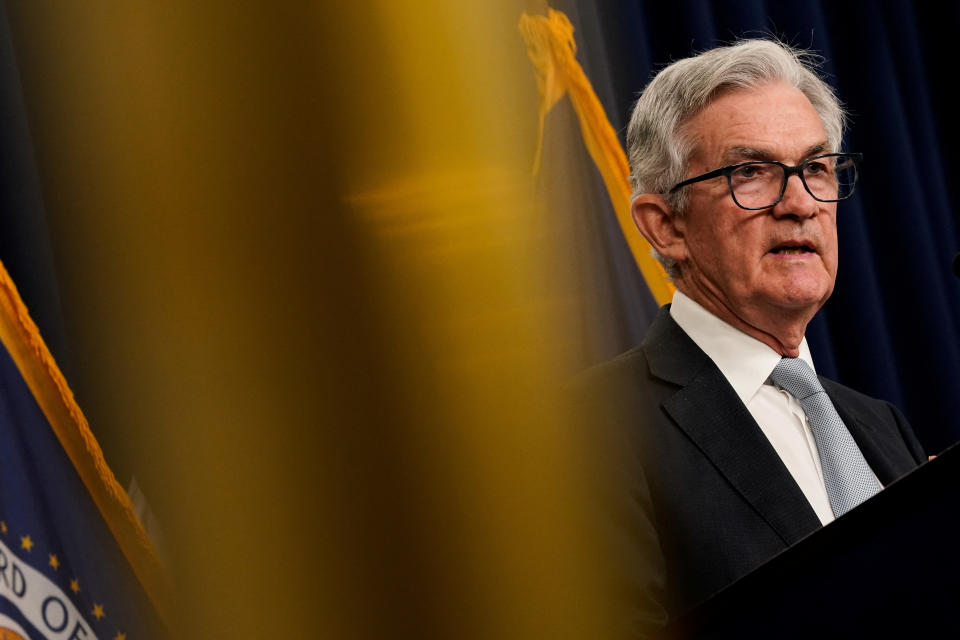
888, 568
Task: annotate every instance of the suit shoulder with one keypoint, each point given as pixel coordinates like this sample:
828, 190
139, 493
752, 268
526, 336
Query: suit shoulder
616, 391
622, 367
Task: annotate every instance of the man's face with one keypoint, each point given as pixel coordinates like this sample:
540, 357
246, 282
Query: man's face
761, 266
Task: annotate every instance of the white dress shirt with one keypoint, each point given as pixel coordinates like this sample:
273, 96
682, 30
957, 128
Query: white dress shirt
746, 363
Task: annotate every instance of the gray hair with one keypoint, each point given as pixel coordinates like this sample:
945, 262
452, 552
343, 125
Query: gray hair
657, 145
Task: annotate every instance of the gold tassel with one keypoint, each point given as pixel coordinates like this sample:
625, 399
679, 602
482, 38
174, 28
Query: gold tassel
552, 50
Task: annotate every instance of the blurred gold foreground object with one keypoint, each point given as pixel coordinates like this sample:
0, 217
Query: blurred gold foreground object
314, 299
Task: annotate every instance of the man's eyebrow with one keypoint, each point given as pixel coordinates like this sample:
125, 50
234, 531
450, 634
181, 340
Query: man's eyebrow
747, 154
816, 149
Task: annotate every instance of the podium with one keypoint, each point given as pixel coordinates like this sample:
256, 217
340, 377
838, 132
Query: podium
889, 568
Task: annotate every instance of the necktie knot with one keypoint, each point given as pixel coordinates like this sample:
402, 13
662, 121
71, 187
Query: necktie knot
796, 377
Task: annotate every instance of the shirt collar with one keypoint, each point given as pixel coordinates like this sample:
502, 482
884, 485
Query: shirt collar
744, 361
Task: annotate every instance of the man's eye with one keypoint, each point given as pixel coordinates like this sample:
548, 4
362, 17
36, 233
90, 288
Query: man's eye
750, 172
815, 168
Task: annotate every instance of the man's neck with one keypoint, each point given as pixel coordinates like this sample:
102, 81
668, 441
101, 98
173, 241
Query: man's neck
782, 331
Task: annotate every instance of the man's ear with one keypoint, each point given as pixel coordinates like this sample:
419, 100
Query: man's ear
662, 228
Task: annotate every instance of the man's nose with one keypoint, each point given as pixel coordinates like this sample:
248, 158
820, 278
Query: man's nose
796, 200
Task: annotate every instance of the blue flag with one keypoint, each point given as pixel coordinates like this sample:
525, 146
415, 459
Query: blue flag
75, 562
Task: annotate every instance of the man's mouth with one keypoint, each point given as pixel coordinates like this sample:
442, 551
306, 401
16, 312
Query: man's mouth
792, 249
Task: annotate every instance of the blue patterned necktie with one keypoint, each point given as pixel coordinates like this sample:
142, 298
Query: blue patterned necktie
847, 476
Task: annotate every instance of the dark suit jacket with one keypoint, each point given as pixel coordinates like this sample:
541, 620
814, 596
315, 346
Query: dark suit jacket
694, 493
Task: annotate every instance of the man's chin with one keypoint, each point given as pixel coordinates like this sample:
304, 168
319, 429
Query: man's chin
801, 300
801, 287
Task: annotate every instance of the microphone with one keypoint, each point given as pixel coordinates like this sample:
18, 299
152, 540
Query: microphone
956, 265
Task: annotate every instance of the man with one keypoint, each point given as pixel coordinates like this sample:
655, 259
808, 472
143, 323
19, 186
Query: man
728, 450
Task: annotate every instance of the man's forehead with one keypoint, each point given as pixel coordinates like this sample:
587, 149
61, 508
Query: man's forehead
770, 122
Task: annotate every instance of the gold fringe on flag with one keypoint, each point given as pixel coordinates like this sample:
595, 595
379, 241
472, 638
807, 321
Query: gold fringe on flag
33, 359
552, 51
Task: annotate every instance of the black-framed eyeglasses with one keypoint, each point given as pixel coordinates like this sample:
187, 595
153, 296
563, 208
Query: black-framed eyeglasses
760, 184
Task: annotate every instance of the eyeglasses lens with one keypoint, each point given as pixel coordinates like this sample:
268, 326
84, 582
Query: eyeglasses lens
758, 185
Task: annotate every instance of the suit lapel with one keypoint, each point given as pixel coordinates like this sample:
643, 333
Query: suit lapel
709, 412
